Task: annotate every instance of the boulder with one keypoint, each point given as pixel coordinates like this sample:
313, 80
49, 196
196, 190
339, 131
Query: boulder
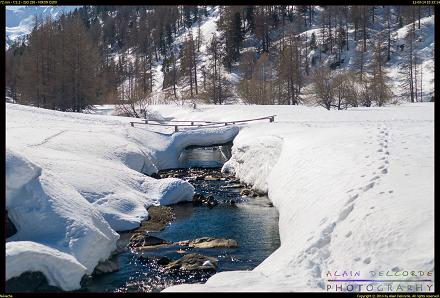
164, 261
231, 202
232, 186
211, 202
28, 281
155, 175
193, 262
108, 266
246, 192
200, 199
209, 242
143, 239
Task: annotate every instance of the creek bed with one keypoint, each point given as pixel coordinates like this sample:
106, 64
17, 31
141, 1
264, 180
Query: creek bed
252, 221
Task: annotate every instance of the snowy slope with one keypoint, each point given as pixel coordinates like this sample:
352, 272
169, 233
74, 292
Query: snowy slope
354, 189
21, 19
424, 49
73, 179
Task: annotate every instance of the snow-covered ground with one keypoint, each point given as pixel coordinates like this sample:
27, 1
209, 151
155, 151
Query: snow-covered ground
72, 180
354, 188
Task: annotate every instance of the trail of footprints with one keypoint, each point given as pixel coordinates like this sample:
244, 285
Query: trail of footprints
319, 248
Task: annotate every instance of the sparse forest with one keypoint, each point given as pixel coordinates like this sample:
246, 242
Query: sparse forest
108, 54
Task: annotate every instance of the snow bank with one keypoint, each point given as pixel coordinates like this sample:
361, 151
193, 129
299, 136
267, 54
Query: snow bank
64, 228
73, 179
354, 190
249, 164
61, 269
199, 137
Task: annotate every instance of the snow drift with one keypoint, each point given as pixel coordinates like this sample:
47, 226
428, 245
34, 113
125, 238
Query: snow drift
354, 190
72, 180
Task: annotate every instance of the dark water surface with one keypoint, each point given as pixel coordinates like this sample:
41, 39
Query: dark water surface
252, 222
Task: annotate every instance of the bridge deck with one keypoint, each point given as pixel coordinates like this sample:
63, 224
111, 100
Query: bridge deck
193, 124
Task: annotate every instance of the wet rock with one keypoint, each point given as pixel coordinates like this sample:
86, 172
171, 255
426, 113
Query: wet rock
34, 281
211, 178
200, 199
234, 181
108, 266
154, 259
194, 262
232, 186
164, 261
86, 281
10, 227
155, 175
143, 239
209, 242
211, 202
246, 192
231, 203
158, 218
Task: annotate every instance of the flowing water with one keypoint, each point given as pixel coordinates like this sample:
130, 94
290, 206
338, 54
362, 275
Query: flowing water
252, 221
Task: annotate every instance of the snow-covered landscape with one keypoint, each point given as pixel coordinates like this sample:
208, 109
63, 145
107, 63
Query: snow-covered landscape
354, 191
353, 187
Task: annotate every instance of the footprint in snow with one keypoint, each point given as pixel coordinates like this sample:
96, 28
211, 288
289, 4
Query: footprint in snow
352, 198
369, 186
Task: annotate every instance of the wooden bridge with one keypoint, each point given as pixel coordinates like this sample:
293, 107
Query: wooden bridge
193, 124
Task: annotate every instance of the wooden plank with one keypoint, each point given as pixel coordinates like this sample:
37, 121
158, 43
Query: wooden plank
198, 123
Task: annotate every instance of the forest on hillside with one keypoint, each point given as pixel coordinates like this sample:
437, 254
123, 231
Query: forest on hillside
282, 55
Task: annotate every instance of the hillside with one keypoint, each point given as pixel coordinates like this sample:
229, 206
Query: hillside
21, 19
369, 55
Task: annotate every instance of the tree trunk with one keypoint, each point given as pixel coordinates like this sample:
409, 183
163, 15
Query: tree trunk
195, 71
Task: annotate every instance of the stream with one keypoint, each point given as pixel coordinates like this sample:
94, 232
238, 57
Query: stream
250, 220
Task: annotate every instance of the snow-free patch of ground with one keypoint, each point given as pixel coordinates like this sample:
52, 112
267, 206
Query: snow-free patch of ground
354, 190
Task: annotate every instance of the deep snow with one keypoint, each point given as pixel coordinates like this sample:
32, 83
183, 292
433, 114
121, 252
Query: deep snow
72, 180
354, 189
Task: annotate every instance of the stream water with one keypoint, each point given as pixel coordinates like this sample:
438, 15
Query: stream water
252, 221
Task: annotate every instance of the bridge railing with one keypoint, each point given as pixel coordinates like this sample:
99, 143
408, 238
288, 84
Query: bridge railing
192, 124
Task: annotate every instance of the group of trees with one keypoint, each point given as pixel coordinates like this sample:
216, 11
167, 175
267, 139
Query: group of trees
103, 54
58, 69
297, 60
